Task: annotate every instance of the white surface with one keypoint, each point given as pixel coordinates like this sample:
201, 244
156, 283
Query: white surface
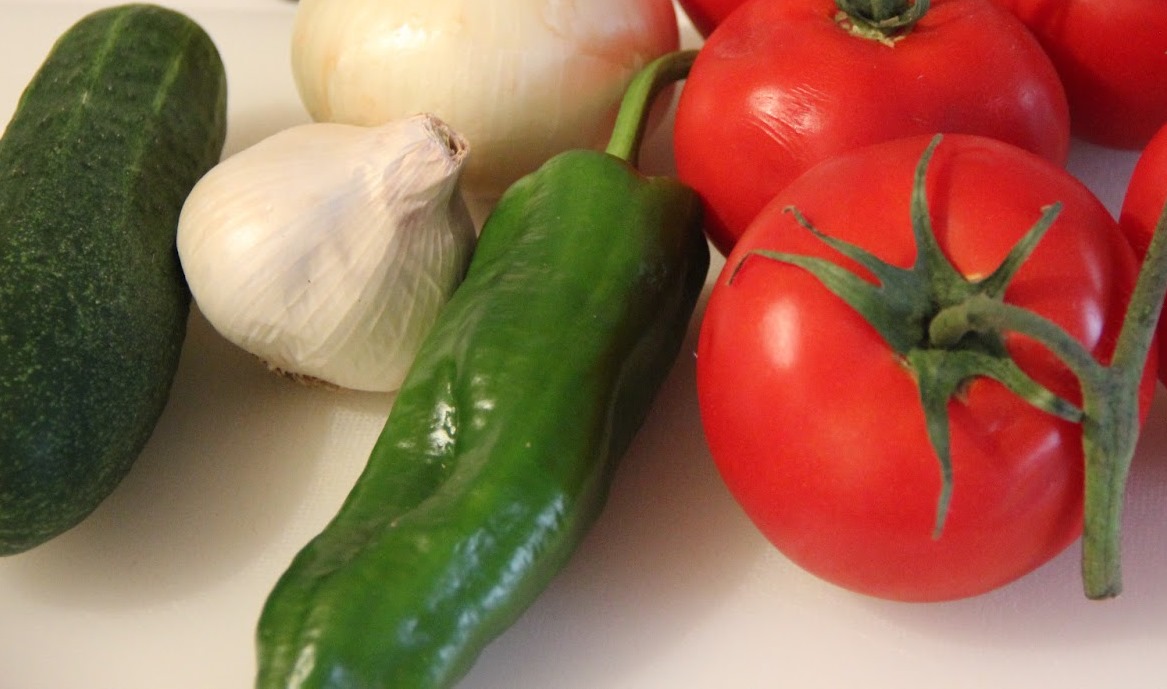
161, 586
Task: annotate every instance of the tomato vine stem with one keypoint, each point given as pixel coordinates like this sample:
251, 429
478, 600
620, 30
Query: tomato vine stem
1110, 398
903, 304
950, 329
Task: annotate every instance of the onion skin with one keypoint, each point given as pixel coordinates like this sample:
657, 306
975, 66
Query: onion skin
522, 80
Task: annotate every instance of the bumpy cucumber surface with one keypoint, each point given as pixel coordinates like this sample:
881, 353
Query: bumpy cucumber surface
126, 113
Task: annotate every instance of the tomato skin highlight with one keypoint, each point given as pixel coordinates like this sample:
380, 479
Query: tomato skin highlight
815, 424
780, 86
1112, 58
1142, 206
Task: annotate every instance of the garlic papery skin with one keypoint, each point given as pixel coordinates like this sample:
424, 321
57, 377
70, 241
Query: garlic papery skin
522, 80
327, 250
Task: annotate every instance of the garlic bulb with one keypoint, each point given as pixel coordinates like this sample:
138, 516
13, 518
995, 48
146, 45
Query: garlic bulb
522, 80
327, 250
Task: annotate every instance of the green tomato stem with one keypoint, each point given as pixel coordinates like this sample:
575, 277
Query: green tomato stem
646, 85
1111, 432
950, 329
885, 21
903, 305
982, 314
1110, 399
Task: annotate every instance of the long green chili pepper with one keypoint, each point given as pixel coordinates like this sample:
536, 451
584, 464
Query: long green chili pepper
498, 451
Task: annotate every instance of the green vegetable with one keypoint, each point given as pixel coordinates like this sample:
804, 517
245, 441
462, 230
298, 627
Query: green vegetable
123, 117
498, 452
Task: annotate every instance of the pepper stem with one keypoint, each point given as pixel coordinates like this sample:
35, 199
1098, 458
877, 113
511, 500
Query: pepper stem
646, 85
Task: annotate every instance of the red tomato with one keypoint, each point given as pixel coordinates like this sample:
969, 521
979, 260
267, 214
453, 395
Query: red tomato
707, 14
780, 86
1146, 194
1145, 201
815, 423
1112, 58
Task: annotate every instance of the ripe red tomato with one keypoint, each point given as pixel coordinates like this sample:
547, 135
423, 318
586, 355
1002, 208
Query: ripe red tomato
1112, 58
707, 14
781, 85
1146, 193
1144, 203
815, 423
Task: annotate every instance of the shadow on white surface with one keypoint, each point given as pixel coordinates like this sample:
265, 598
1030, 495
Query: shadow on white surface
248, 127
231, 464
670, 530
1107, 170
1047, 609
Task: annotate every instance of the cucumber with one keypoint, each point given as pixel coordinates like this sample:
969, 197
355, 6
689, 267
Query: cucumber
126, 113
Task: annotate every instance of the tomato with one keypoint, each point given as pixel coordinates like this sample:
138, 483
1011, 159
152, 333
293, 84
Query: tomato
1146, 193
815, 423
707, 14
1144, 203
781, 85
1112, 58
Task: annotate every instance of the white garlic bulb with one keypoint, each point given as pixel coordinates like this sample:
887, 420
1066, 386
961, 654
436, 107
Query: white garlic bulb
327, 250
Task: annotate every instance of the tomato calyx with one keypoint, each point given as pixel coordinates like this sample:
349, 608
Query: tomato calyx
884, 21
1110, 428
903, 303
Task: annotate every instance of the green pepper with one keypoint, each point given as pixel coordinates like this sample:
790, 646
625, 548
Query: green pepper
500, 447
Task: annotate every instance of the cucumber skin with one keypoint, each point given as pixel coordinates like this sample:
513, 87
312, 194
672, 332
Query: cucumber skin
127, 112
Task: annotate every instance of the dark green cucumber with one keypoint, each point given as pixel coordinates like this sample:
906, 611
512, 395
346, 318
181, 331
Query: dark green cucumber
127, 112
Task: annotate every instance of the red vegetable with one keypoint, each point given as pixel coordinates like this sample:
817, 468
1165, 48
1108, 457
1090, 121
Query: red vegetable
784, 84
707, 14
1146, 193
1144, 205
814, 417
1112, 58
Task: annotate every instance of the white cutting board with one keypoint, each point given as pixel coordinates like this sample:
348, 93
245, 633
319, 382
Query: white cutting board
673, 589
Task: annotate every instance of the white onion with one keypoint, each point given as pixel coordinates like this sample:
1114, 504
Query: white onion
522, 80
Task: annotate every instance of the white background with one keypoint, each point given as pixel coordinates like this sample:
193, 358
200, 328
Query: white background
162, 585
